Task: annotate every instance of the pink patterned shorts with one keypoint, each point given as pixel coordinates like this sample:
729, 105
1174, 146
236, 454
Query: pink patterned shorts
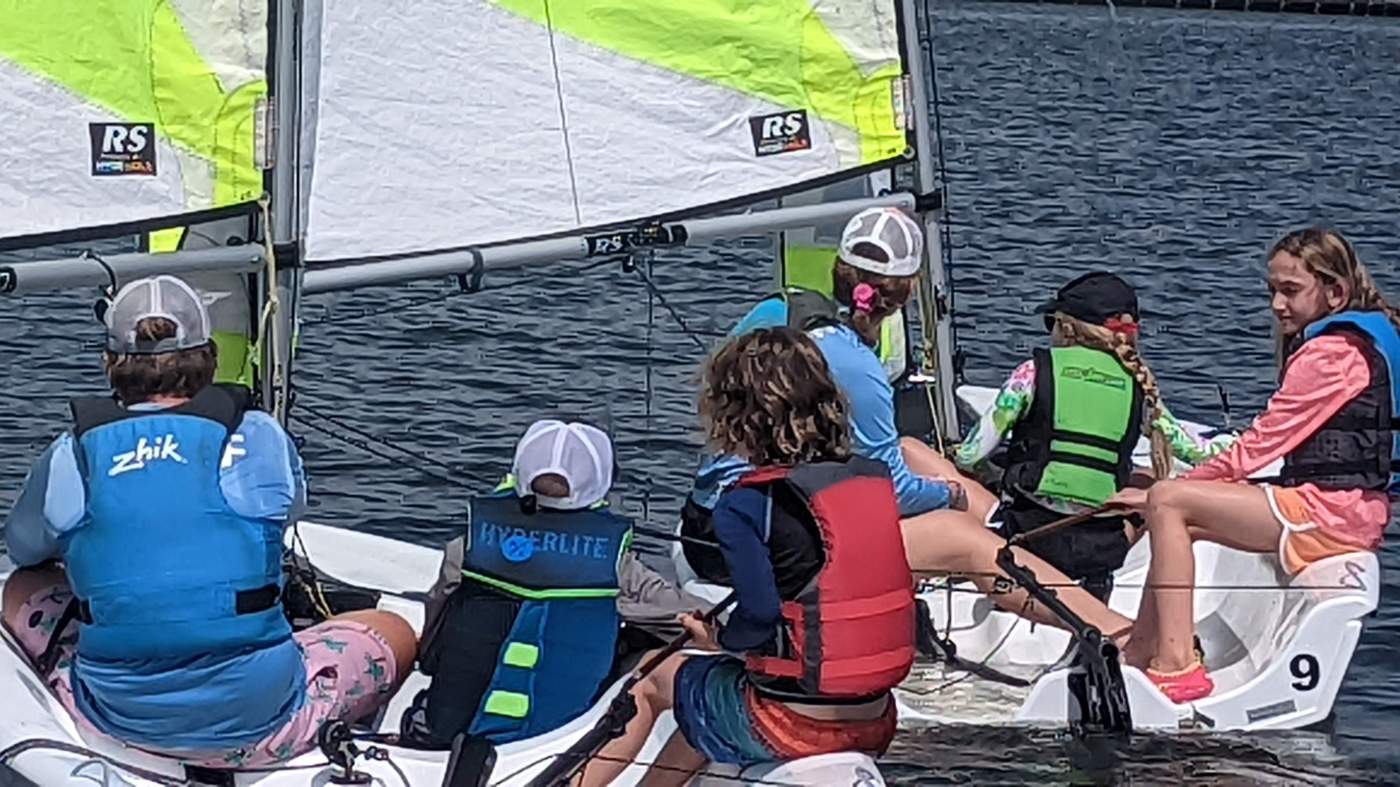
349, 674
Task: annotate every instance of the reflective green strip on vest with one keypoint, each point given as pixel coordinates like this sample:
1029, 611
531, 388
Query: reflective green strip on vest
521, 655
507, 703
1093, 396
540, 595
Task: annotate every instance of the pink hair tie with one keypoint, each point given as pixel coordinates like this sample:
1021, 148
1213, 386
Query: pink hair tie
1125, 327
864, 297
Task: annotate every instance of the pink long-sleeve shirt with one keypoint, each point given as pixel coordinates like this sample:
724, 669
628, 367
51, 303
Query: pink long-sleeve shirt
1325, 374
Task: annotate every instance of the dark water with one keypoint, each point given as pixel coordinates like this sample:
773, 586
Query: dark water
1172, 147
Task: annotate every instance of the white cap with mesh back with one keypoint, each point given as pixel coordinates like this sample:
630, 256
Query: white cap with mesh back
890, 230
580, 454
158, 296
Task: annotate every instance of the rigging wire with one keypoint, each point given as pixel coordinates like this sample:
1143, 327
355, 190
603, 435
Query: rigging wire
654, 292
652, 296
367, 435
946, 224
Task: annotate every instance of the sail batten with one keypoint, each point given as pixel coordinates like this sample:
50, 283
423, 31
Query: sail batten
452, 124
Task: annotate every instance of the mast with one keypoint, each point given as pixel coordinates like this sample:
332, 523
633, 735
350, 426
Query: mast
277, 331
935, 290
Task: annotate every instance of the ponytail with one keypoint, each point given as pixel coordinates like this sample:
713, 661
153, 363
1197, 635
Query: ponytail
1122, 344
870, 297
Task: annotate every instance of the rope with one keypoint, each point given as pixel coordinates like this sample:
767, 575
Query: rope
374, 451
925, 586
740, 778
9, 754
972, 673
273, 304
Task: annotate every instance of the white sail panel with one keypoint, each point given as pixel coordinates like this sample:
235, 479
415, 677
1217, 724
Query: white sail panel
451, 123
127, 112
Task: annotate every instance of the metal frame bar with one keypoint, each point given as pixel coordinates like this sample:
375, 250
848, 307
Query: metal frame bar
34, 276
518, 255
278, 348
926, 182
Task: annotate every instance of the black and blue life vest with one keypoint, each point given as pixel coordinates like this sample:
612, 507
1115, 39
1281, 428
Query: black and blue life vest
161, 566
558, 570
1359, 447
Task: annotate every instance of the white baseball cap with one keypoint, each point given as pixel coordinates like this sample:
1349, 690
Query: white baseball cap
890, 230
580, 454
158, 296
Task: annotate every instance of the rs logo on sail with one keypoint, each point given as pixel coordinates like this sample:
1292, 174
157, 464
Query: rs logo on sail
146, 452
123, 148
783, 132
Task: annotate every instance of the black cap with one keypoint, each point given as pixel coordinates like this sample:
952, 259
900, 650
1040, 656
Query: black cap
1094, 298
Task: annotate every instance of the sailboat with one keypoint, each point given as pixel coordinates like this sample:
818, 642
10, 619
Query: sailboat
270, 150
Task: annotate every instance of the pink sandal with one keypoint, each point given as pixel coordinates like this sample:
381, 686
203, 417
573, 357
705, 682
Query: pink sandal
1186, 685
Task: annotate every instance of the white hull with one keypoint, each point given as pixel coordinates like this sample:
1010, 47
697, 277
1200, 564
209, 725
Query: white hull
396, 567
1277, 648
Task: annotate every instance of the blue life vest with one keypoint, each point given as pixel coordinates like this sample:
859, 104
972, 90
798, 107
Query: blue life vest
562, 566
1359, 447
161, 566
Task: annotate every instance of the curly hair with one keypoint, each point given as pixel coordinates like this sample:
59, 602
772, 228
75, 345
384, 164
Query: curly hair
768, 397
136, 378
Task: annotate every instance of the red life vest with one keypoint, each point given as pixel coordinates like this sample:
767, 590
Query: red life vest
851, 628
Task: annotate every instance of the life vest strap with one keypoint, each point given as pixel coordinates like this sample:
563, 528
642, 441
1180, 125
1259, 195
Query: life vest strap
245, 602
866, 607
1094, 441
1084, 461
897, 659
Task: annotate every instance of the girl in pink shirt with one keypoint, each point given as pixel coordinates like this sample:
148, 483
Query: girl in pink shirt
1333, 495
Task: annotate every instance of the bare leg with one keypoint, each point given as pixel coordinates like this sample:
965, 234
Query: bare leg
675, 765
396, 631
925, 461
953, 542
1179, 513
655, 694
22, 585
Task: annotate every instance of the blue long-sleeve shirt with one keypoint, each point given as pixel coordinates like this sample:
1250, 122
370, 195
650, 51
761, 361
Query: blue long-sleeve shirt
860, 376
741, 528
206, 704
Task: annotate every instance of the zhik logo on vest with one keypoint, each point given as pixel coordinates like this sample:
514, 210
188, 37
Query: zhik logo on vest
784, 132
146, 452
123, 148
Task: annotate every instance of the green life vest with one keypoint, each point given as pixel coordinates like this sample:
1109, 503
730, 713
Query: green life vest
1077, 442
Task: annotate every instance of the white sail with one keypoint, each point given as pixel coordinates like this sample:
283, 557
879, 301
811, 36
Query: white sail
449, 123
125, 115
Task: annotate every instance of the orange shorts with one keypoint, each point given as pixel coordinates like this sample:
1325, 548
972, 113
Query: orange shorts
1303, 542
